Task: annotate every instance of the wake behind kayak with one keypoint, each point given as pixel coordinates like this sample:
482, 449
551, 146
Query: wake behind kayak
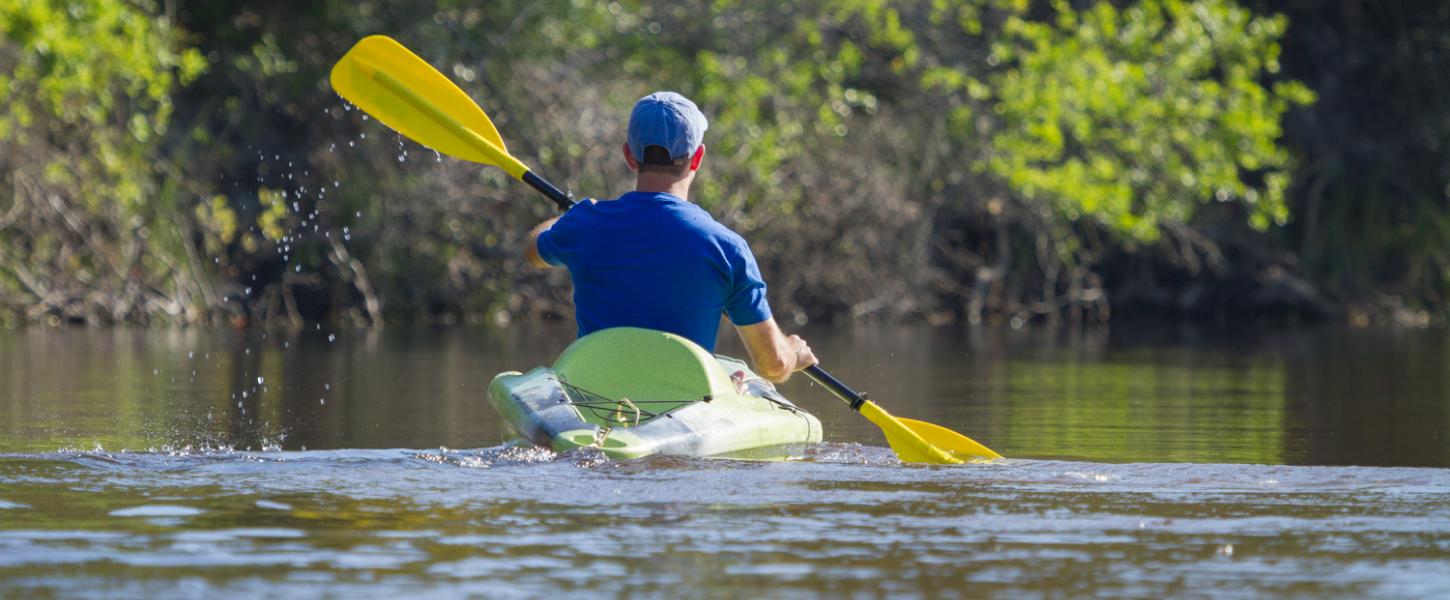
636, 392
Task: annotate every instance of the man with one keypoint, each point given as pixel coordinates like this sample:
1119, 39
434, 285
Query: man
652, 259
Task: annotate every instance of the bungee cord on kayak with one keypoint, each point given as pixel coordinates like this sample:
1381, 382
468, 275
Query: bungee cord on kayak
608, 409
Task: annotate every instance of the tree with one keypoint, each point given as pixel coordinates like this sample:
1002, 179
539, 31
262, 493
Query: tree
85, 92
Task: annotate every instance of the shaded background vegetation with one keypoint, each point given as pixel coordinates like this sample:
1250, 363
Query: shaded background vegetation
983, 160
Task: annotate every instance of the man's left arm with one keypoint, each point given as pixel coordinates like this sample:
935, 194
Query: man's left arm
532, 251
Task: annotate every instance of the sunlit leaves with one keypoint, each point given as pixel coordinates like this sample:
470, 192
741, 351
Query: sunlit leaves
218, 223
79, 61
1131, 114
96, 72
272, 221
1136, 115
1128, 113
84, 102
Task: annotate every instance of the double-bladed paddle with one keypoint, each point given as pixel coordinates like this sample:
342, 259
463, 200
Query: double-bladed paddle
405, 93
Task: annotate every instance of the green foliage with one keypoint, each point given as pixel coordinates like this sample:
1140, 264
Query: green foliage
1134, 116
218, 221
96, 70
774, 78
936, 149
84, 102
1128, 116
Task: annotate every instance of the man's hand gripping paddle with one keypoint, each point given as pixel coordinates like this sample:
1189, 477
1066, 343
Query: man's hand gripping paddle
405, 93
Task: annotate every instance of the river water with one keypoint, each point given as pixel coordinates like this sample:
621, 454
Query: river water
1145, 460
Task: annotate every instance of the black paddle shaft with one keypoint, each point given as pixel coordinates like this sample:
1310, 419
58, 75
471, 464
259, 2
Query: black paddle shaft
562, 199
841, 390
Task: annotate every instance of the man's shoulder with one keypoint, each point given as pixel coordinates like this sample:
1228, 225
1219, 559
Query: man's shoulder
704, 221
691, 219
581, 213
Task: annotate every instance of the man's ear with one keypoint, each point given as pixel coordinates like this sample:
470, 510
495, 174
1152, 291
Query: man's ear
699, 156
629, 158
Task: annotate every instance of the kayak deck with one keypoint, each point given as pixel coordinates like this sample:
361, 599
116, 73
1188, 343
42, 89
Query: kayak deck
635, 392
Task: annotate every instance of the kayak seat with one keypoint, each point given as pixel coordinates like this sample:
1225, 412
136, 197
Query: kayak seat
655, 370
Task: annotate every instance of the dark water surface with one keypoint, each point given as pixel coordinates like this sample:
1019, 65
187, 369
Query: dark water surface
1148, 460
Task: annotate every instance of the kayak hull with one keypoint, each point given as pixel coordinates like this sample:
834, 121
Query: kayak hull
633, 393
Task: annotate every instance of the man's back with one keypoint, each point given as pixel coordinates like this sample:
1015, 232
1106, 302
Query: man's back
650, 259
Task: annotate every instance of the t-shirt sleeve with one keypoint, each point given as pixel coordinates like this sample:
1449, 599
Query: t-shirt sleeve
747, 304
554, 243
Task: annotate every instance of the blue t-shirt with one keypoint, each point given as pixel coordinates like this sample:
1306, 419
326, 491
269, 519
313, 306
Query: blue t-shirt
653, 260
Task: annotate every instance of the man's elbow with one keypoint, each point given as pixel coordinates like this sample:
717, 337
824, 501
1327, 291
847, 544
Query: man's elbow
531, 251
532, 256
775, 369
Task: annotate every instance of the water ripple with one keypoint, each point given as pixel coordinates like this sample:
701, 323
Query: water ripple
529, 522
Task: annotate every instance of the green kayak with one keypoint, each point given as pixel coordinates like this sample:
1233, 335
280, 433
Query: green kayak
636, 392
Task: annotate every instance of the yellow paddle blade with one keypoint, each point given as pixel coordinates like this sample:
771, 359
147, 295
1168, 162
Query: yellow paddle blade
909, 445
405, 93
953, 443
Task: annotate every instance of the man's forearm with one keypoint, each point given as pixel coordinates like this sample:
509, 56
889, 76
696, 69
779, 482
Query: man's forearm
775, 354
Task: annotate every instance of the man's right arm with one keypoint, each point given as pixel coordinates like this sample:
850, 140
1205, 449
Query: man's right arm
532, 251
775, 354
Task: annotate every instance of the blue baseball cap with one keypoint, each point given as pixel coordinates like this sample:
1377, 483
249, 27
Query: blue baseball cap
668, 120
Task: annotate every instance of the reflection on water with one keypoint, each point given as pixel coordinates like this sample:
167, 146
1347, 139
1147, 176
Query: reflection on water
1147, 461
1145, 393
140, 389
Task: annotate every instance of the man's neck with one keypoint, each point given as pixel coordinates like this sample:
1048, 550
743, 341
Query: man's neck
657, 182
